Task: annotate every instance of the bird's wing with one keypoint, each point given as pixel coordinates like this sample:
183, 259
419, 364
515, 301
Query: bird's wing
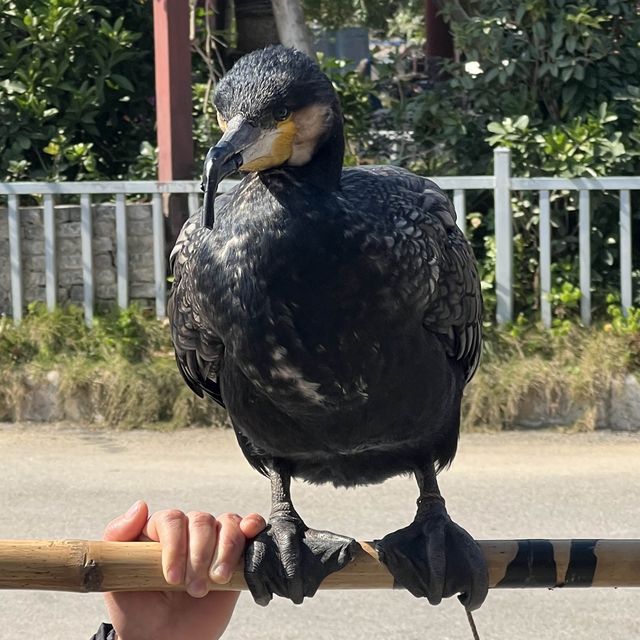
455, 311
198, 349
433, 262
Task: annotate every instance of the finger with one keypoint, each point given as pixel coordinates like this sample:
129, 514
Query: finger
252, 525
203, 534
229, 550
128, 526
170, 529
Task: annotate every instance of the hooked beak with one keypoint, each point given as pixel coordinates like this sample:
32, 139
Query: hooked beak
225, 158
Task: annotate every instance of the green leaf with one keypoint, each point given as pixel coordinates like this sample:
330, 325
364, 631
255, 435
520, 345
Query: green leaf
52, 149
496, 127
491, 74
101, 10
122, 82
602, 110
569, 92
539, 30
557, 40
23, 141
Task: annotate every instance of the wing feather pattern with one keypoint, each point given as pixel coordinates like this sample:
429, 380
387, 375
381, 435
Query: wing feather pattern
433, 262
198, 349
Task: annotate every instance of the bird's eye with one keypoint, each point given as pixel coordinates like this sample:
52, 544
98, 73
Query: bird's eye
281, 113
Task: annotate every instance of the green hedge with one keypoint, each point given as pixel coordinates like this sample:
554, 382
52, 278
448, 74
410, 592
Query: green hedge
559, 84
76, 88
122, 371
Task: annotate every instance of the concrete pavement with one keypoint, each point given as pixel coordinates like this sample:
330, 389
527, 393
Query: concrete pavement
59, 482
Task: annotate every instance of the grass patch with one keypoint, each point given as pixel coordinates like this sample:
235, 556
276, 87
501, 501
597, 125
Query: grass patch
562, 373
122, 372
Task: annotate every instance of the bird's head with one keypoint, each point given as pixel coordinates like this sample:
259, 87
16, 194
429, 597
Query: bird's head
276, 108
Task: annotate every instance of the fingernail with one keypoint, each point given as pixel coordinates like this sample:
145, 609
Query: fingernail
173, 575
132, 510
220, 573
197, 588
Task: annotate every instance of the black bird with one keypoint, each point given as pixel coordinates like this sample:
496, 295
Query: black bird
337, 316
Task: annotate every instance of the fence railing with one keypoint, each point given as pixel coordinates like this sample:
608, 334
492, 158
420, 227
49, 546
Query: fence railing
501, 182
544, 186
48, 191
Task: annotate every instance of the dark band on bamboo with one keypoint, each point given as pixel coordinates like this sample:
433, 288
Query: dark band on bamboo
533, 566
556, 563
582, 564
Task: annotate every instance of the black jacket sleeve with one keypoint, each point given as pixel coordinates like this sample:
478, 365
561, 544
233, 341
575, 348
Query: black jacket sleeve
105, 632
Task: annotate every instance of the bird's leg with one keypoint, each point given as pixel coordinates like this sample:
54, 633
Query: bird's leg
433, 557
288, 558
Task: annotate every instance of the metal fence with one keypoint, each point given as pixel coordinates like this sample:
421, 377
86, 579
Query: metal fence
501, 182
49, 191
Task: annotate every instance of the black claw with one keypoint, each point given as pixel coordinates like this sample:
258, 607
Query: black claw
290, 560
435, 558
254, 557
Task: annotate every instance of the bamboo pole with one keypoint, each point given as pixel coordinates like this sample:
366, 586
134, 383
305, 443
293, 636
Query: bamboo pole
89, 566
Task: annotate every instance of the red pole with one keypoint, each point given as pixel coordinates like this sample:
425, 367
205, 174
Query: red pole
439, 42
173, 99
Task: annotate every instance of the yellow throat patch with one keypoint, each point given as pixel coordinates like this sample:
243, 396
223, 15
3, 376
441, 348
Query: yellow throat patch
281, 148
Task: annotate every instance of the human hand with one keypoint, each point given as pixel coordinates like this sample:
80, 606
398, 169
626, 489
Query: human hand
196, 547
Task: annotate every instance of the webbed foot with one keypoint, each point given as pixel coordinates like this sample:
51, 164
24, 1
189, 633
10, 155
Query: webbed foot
435, 558
290, 560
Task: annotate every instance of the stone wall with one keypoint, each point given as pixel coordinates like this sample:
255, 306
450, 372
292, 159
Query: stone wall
69, 255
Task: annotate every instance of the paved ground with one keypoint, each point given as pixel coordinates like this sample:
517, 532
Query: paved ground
64, 483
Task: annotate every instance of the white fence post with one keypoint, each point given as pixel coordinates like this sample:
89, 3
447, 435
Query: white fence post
122, 251
460, 205
504, 235
545, 256
50, 265
159, 261
86, 239
626, 262
15, 251
584, 236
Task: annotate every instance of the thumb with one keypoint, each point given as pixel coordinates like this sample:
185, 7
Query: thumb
128, 526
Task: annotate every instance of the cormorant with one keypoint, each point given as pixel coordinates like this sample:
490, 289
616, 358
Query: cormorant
337, 316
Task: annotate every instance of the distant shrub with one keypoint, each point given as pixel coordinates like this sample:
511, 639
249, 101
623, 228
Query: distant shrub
76, 87
558, 83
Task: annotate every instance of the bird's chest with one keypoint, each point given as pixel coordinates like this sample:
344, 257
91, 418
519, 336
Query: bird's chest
294, 305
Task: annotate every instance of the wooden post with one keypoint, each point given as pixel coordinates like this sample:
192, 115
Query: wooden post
439, 41
87, 565
173, 103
